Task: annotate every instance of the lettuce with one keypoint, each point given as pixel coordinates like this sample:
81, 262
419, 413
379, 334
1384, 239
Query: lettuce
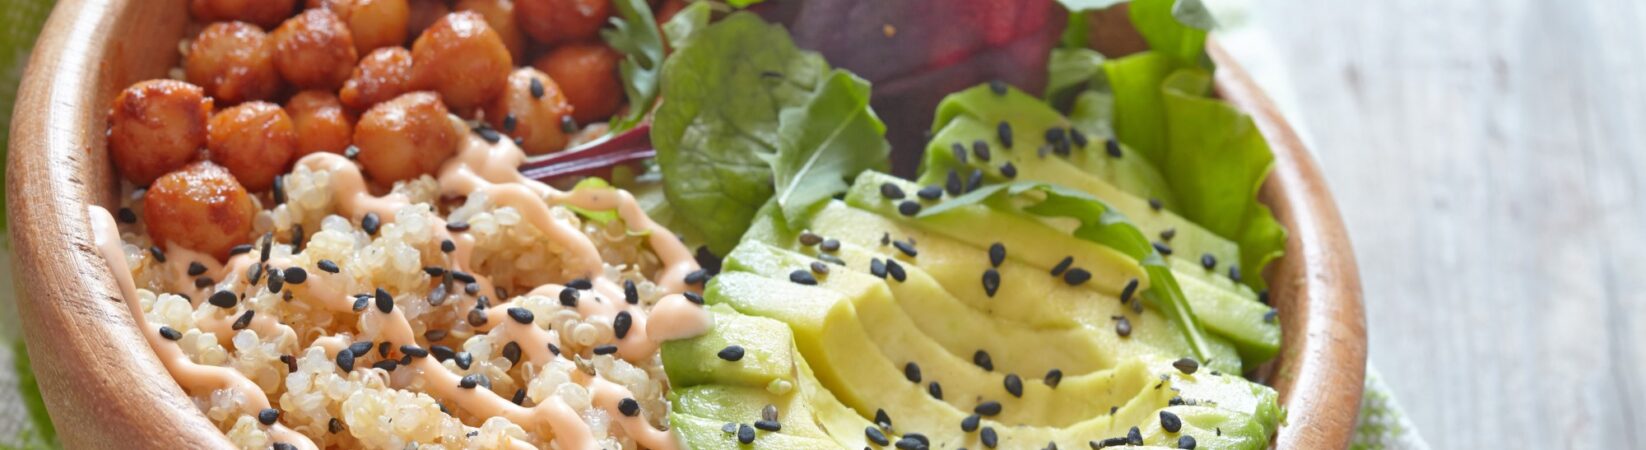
634, 33
749, 117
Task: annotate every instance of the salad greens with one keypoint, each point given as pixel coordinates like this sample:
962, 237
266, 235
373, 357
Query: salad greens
634, 34
744, 102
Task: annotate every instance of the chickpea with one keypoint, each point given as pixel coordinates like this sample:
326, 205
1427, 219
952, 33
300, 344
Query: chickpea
405, 138
314, 50
534, 120
157, 126
255, 141
560, 21
263, 13
199, 207
321, 123
234, 62
376, 23
382, 75
463, 59
423, 15
587, 73
500, 15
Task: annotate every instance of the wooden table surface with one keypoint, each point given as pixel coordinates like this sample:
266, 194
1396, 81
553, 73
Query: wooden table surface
1489, 157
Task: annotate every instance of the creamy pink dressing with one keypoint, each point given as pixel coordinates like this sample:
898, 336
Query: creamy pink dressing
478, 167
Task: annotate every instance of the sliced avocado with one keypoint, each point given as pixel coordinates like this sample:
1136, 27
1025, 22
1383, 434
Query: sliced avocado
739, 404
1227, 313
767, 358
853, 369
975, 114
697, 433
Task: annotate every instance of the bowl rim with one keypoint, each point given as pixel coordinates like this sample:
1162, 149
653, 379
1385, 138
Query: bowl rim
57, 154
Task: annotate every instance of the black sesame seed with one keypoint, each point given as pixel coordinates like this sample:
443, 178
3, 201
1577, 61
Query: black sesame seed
414, 351
1113, 147
1156, 204
769, 413
930, 192
296, 275
975, 180
1164, 249
1053, 377
1186, 365
908, 443
731, 353
1005, 132
829, 245
385, 302
1269, 317
882, 419
334, 426
568, 124
768, 425
243, 321
997, 254
895, 270
628, 407
1127, 292
371, 223
196, 268
1062, 266
360, 303
728, 428
435, 271
442, 353
1076, 276
203, 282
328, 266
537, 88
621, 324
351, 152
1008, 170
936, 390
908, 208
745, 434
969, 424
555, 349
631, 293
875, 436
277, 281
988, 408
159, 255
1168, 234
802, 277
991, 281
1234, 273
345, 361
568, 297
1186, 442
359, 349
953, 185
458, 226
447, 246
982, 359
907, 248
169, 333
283, 446
877, 268
522, 315
605, 349
240, 249
697, 277
1056, 136
223, 299
1109, 442
1123, 327
297, 238
509, 122
255, 273
693, 297
885, 239
469, 381
1134, 436
808, 238
980, 149
126, 215
999, 88
820, 268
1014, 385
1263, 296
891, 191
912, 372
519, 397
1170, 422
989, 438
1077, 137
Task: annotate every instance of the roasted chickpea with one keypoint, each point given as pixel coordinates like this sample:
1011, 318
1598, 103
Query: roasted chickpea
587, 73
255, 141
463, 59
263, 13
423, 15
376, 23
560, 21
382, 75
533, 119
405, 138
155, 127
314, 50
321, 123
234, 62
500, 15
200, 207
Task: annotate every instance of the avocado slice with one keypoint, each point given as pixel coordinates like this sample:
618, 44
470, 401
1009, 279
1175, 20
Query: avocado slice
697, 433
974, 115
1222, 308
853, 369
767, 363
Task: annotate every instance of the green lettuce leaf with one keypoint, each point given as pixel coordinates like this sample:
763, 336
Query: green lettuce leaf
693, 17
1167, 34
1099, 223
747, 113
1138, 108
634, 33
825, 143
1070, 71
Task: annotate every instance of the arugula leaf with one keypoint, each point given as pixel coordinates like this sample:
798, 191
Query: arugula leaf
634, 33
727, 125
829, 140
1101, 224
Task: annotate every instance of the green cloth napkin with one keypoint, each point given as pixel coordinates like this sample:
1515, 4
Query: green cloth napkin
24, 425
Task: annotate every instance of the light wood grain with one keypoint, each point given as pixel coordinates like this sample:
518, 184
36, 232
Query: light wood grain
1488, 157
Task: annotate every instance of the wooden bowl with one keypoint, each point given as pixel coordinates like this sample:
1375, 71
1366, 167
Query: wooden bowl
104, 387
